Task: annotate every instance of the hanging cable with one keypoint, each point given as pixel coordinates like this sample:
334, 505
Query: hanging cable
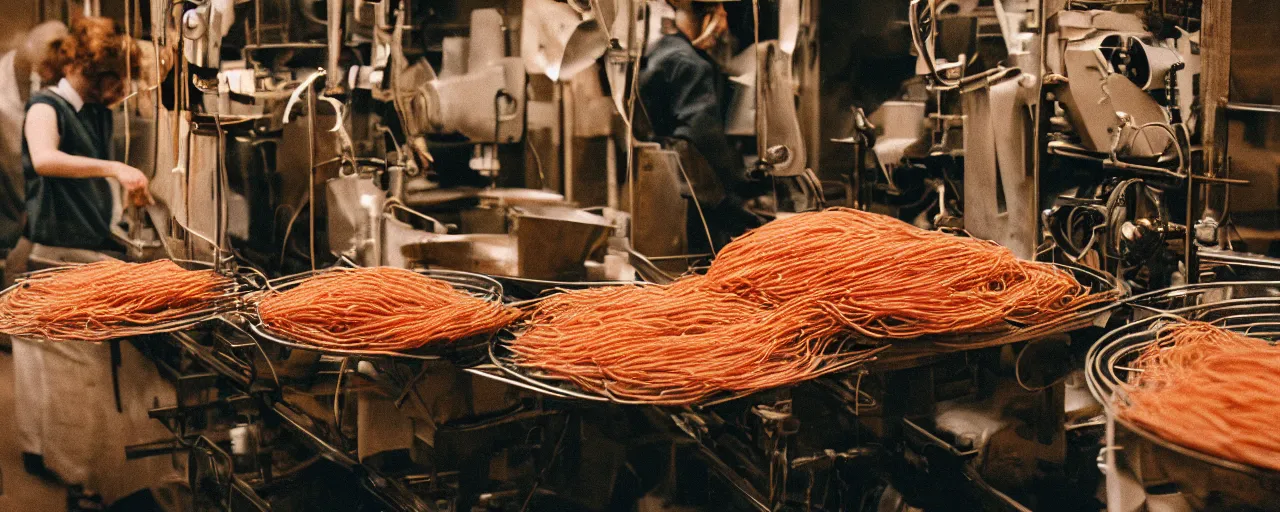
698, 205
924, 50
633, 91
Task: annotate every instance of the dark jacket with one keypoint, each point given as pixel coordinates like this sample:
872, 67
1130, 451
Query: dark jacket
681, 90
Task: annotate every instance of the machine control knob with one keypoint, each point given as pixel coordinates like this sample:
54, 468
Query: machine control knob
194, 24
1206, 231
777, 154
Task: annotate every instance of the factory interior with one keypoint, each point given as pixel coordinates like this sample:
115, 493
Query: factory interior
639, 255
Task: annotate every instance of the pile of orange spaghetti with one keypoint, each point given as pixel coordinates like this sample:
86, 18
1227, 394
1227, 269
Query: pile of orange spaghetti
1211, 390
378, 309
110, 299
776, 301
678, 343
884, 278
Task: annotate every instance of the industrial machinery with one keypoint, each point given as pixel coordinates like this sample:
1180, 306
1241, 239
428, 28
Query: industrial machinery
1075, 132
498, 137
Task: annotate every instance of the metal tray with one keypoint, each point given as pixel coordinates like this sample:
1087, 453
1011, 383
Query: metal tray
469, 349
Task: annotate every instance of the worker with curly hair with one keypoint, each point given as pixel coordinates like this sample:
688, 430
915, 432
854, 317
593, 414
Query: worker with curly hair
67, 146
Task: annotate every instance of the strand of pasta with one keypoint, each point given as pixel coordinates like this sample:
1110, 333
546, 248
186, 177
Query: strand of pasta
888, 279
678, 343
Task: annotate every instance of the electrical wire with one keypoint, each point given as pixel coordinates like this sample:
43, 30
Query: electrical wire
337, 395
925, 51
1017, 373
629, 121
1173, 137
537, 162
698, 205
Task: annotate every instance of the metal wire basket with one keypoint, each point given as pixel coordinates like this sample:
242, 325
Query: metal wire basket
1206, 481
476, 285
501, 356
1096, 282
230, 300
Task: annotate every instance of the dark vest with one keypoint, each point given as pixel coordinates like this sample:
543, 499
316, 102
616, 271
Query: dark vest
71, 212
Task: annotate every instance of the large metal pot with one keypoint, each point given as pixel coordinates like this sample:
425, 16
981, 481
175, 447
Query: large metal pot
1136, 459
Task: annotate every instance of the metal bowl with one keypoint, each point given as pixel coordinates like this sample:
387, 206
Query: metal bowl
1206, 481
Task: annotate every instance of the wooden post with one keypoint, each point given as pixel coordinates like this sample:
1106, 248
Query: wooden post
1215, 79
1215, 85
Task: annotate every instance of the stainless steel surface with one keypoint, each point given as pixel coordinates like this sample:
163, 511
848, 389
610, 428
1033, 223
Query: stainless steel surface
419, 197
355, 205
545, 242
493, 254
585, 45
554, 243
562, 213
659, 217
998, 190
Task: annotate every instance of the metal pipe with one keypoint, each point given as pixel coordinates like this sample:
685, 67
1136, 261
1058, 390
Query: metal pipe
1189, 248
257, 21
634, 55
219, 200
311, 174
1252, 107
611, 170
333, 80
566, 139
762, 126
1041, 120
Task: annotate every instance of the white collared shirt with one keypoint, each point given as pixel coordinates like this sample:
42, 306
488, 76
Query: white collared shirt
68, 93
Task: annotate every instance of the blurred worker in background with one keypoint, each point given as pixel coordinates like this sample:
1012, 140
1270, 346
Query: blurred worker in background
682, 91
18, 78
66, 402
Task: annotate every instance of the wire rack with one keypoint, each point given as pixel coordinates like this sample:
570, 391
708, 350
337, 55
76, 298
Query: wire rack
1003, 334
503, 360
855, 347
232, 299
1251, 308
481, 287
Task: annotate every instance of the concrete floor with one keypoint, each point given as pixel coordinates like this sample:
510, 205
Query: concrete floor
20, 491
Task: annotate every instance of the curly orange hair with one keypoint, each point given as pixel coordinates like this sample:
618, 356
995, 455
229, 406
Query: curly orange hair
96, 47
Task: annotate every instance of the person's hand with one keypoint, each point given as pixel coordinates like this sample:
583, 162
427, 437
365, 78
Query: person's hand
714, 25
135, 184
